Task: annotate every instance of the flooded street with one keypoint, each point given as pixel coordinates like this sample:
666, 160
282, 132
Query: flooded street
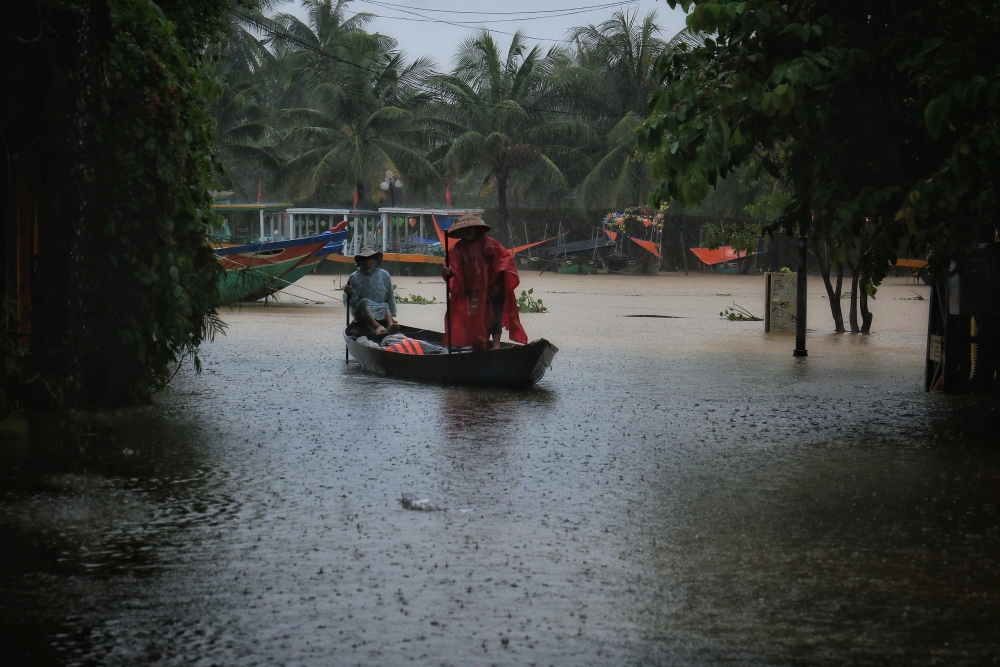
677, 490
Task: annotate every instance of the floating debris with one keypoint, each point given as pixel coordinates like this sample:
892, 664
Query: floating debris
411, 502
739, 314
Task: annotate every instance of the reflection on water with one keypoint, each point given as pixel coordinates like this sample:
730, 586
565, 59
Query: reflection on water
879, 543
683, 509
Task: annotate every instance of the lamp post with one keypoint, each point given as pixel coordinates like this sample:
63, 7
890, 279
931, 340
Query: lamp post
391, 183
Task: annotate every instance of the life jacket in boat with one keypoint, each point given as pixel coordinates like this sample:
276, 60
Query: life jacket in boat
404, 345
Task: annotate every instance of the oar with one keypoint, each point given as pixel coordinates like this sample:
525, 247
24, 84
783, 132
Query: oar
447, 292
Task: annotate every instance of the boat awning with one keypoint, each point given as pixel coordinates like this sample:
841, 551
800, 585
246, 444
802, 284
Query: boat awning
250, 207
909, 263
719, 255
447, 212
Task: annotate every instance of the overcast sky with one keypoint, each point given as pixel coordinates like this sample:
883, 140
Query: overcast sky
435, 28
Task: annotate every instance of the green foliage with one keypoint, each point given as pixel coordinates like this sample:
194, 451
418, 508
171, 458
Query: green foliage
527, 304
414, 299
742, 238
356, 122
499, 136
737, 313
143, 287
879, 113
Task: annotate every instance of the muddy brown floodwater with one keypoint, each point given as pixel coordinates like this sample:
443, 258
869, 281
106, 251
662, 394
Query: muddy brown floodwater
675, 492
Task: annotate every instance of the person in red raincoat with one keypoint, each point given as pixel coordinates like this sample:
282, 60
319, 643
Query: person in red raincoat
481, 278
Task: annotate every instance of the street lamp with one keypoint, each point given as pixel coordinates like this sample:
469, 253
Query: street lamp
391, 183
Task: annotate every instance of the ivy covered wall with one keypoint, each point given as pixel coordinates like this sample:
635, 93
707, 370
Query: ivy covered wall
115, 174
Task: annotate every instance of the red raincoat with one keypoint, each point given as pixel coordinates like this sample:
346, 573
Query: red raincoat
477, 266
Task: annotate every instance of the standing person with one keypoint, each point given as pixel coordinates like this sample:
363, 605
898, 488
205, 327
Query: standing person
481, 281
369, 294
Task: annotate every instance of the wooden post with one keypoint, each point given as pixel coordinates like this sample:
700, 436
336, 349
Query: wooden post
800, 315
684, 253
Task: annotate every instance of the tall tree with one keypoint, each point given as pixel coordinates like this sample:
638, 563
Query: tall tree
500, 109
614, 74
360, 118
883, 111
245, 128
620, 52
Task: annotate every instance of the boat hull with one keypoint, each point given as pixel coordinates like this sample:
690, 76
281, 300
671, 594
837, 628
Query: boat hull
513, 366
252, 270
307, 265
644, 265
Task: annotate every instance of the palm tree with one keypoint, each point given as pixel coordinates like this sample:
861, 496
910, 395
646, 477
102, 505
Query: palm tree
361, 118
498, 109
326, 27
621, 52
614, 77
246, 135
243, 116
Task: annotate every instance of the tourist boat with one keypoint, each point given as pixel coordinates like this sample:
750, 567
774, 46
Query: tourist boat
253, 269
411, 239
514, 365
309, 265
636, 235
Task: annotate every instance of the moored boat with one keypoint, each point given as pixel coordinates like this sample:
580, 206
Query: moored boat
514, 365
309, 264
636, 235
252, 269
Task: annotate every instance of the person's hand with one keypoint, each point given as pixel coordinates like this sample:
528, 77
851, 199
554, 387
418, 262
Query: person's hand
445, 272
348, 289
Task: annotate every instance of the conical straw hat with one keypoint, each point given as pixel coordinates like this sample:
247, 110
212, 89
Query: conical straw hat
466, 221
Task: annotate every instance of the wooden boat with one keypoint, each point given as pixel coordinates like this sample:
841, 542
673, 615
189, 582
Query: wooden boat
252, 269
514, 365
643, 264
309, 264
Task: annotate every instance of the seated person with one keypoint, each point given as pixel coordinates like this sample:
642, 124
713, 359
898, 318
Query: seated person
369, 294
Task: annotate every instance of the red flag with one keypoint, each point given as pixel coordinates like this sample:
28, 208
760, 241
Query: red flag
447, 195
611, 235
441, 235
259, 190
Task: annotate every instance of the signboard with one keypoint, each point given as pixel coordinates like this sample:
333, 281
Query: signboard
782, 303
934, 350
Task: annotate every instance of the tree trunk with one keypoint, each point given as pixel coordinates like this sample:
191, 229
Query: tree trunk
863, 247
502, 199
823, 262
866, 315
855, 276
